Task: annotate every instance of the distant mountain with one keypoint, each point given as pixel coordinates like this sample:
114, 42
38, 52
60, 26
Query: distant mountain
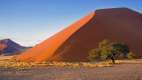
11, 47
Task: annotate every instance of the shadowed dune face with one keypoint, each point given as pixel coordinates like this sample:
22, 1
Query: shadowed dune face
122, 25
74, 42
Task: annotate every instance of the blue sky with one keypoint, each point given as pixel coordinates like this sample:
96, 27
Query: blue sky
29, 22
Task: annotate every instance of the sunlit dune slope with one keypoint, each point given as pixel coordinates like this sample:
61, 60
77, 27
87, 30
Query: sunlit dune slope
46, 49
74, 42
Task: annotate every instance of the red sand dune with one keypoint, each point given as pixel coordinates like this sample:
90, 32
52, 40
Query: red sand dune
74, 42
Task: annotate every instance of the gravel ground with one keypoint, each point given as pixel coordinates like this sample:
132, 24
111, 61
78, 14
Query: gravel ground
117, 72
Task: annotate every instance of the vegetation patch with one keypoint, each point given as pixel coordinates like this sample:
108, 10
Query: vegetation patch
110, 50
10, 64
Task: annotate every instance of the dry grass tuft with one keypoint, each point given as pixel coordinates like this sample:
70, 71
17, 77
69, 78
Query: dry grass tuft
11, 63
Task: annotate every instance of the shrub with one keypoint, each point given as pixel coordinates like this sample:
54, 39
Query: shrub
102, 52
94, 55
130, 55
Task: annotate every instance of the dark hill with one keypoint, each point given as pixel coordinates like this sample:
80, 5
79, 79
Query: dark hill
11, 47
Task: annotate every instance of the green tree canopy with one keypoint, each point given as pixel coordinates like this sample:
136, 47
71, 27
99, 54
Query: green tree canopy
107, 49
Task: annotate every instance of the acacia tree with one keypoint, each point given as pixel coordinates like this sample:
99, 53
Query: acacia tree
108, 50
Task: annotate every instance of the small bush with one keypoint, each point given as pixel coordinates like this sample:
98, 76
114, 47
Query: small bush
102, 52
130, 55
93, 54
